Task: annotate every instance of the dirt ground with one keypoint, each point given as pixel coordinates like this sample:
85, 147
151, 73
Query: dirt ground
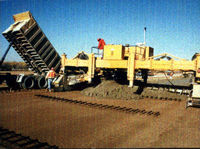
69, 125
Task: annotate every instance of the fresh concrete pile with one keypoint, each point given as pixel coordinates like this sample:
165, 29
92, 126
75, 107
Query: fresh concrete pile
111, 89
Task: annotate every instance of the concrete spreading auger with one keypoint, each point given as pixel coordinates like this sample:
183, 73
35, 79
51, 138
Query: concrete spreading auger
118, 62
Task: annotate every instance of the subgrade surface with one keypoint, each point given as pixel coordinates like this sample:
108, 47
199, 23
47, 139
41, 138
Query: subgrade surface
69, 125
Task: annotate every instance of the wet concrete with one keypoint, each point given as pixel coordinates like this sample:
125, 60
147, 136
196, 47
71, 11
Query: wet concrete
111, 89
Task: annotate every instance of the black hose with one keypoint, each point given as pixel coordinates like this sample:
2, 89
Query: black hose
168, 79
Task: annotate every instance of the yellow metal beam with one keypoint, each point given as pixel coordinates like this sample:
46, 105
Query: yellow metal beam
91, 67
165, 65
148, 64
63, 60
131, 68
112, 64
139, 64
76, 63
197, 65
167, 54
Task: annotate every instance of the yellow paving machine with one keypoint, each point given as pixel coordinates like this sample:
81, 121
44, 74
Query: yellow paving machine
123, 62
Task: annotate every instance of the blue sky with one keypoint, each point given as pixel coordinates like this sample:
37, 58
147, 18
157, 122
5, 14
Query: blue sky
173, 26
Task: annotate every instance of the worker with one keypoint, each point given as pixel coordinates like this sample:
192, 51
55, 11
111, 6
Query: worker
50, 76
101, 46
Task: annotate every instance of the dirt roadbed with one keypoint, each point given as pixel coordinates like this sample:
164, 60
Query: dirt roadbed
70, 125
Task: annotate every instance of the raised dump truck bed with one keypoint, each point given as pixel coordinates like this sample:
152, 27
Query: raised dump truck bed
31, 44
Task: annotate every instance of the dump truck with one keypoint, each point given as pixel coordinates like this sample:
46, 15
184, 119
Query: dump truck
32, 45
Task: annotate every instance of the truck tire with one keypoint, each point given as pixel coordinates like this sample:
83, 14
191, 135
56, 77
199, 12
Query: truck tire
28, 82
41, 82
11, 82
1, 79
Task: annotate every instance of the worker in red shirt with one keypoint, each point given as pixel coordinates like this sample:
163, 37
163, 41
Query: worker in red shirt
101, 46
50, 76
